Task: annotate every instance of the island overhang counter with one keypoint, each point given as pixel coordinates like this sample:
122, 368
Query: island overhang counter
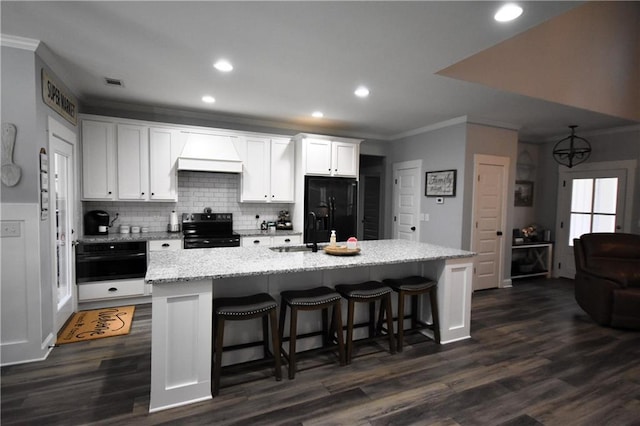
186, 281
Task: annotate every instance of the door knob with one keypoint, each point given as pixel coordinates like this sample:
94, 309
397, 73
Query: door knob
413, 228
499, 233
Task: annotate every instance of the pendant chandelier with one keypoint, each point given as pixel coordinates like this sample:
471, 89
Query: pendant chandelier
572, 150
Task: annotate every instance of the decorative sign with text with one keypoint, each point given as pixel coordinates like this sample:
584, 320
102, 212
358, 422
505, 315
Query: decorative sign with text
57, 97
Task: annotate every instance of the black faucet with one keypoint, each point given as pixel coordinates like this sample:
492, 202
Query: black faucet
314, 233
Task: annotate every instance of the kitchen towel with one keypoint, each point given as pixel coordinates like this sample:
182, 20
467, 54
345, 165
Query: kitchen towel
173, 220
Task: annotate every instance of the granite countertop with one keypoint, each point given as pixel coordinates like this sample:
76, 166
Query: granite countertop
260, 233
142, 236
212, 263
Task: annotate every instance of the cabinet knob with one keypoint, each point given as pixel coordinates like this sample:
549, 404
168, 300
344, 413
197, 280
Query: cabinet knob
113, 289
287, 240
143, 193
165, 245
335, 170
153, 193
265, 195
109, 192
256, 241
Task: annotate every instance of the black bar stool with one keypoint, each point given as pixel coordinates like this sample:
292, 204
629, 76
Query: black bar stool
319, 298
367, 292
240, 309
414, 286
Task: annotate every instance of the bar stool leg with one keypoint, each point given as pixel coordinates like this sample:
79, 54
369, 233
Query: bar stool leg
217, 365
293, 330
275, 343
265, 336
433, 296
392, 340
350, 315
401, 320
337, 320
283, 317
326, 339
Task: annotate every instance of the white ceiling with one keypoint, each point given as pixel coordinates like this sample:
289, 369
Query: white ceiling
292, 58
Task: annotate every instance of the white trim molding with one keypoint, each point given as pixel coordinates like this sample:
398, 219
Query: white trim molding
7, 40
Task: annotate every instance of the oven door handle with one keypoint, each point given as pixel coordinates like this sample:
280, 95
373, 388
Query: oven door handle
110, 257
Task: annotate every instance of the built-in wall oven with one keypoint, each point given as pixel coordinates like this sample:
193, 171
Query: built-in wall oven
110, 261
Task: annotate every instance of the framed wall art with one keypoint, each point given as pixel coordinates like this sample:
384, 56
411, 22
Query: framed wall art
440, 184
523, 196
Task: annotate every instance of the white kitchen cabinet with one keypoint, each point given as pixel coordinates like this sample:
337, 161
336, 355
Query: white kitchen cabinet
285, 240
262, 241
98, 160
267, 173
282, 169
270, 240
164, 147
128, 160
132, 145
330, 158
110, 289
165, 245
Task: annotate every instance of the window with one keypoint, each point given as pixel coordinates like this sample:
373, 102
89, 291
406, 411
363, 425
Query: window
593, 206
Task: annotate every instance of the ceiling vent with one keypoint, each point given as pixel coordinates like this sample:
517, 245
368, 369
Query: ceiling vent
113, 82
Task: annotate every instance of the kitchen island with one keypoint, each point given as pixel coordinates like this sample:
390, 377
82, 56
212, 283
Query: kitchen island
186, 281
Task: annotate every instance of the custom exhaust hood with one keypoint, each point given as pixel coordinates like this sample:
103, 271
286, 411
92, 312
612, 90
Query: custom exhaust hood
209, 153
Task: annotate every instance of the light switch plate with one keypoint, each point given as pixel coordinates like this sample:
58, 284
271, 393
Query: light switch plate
9, 229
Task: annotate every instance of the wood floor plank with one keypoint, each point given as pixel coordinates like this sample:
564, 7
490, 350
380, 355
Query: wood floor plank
534, 359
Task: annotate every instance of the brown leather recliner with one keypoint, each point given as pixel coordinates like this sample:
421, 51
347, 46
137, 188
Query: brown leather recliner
607, 281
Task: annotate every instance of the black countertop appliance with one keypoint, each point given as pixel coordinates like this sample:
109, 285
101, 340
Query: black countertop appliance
96, 222
334, 203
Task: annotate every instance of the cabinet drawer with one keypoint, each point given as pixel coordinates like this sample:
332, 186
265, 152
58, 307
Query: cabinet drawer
283, 240
110, 289
256, 241
165, 245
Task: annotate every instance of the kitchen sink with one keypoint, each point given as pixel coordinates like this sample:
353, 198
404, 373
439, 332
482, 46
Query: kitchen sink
293, 249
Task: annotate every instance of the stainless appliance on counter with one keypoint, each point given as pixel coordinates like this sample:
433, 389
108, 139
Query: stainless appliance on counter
110, 261
284, 220
333, 202
207, 230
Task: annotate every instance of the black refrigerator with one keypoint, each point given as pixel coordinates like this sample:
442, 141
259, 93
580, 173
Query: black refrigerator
334, 202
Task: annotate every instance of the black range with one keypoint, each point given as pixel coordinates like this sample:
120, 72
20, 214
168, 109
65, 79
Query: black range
207, 230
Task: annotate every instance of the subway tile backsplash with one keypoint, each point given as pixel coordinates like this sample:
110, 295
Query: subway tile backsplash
196, 191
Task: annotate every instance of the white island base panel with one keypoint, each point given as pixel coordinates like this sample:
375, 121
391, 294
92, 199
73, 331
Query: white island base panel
182, 319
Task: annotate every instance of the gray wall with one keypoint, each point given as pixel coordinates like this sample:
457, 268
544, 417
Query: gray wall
606, 146
18, 107
441, 149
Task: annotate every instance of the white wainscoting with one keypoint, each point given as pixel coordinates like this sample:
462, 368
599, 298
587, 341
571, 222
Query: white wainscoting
22, 337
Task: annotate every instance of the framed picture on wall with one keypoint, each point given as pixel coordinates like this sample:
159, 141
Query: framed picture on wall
440, 184
523, 196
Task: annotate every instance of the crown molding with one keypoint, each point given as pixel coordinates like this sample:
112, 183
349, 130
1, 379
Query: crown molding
598, 132
7, 40
430, 128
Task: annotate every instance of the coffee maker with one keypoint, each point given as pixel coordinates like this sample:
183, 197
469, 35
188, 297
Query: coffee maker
96, 222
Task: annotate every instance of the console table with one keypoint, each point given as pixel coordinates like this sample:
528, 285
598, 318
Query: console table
532, 259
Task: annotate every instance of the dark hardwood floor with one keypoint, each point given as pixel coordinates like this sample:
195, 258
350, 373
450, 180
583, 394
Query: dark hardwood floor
534, 358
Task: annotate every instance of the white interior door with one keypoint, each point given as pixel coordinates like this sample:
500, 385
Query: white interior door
61, 214
406, 200
590, 199
489, 213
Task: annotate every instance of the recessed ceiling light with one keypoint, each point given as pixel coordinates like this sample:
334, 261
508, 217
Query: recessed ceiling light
223, 65
362, 92
208, 99
508, 12
317, 114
